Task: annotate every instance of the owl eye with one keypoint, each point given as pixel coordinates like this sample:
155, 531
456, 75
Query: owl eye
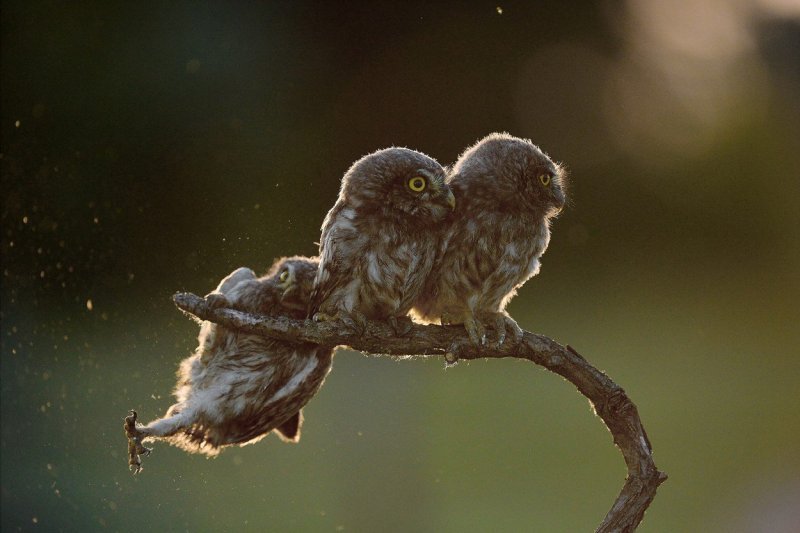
545, 179
284, 276
417, 184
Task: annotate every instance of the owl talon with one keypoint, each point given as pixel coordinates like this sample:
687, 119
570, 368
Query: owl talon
499, 324
401, 325
323, 317
135, 447
509, 325
355, 322
476, 331
216, 300
503, 325
516, 331
501, 337
447, 319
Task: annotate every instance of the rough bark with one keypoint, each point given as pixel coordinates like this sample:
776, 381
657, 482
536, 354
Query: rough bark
610, 402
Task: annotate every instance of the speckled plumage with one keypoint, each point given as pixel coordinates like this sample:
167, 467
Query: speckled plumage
238, 387
379, 240
496, 235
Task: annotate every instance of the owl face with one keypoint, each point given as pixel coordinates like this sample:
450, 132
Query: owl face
399, 181
294, 277
520, 172
544, 187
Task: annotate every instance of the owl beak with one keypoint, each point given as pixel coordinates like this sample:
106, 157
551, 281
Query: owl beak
286, 294
560, 200
451, 200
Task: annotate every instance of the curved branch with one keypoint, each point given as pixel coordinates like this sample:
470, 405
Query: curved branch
609, 399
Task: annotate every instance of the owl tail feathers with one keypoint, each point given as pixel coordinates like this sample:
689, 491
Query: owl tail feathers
289, 431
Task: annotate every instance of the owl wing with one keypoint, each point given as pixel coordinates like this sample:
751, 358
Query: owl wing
234, 278
213, 335
338, 250
255, 296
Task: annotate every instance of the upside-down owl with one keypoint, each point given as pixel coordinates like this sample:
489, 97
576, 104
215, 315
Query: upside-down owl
238, 387
508, 191
380, 238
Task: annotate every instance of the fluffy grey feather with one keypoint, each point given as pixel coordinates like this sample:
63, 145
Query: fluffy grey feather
238, 387
379, 240
508, 191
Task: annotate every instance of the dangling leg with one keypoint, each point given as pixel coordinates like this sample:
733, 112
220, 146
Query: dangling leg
175, 421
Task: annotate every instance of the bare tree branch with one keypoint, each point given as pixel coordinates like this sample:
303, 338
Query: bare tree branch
609, 399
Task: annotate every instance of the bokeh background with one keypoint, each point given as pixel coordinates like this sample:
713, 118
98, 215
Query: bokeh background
151, 148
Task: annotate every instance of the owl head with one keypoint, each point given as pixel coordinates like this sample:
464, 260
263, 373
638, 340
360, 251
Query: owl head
399, 183
513, 170
294, 278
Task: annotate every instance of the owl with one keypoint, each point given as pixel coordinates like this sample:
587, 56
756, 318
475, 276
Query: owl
238, 387
379, 239
508, 192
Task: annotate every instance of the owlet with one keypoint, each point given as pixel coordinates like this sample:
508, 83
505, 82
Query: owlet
379, 240
238, 387
508, 191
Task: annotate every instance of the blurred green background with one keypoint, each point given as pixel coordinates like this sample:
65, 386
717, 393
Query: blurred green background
151, 148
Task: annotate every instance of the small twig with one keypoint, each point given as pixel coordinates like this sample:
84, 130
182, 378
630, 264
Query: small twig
609, 400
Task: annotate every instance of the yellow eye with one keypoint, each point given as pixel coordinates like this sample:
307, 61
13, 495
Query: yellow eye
284, 276
545, 179
417, 184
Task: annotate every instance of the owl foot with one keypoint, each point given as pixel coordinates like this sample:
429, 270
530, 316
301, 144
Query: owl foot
475, 330
135, 446
504, 324
401, 325
353, 321
323, 317
216, 300
447, 319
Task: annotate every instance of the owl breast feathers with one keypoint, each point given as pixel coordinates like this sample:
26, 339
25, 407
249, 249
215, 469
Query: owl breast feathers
238, 387
379, 240
508, 190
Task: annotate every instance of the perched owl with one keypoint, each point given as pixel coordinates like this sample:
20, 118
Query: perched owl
238, 387
379, 240
508, 191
